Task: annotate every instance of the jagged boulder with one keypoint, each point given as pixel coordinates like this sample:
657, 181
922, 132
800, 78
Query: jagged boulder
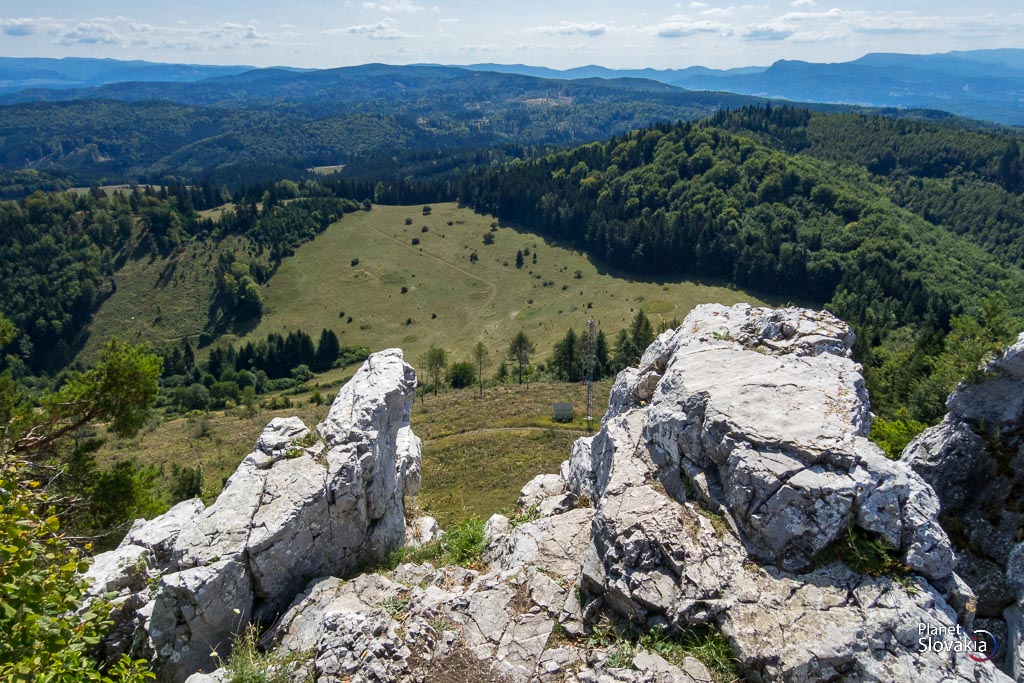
730, 472
974, 460
301, 505
730, 459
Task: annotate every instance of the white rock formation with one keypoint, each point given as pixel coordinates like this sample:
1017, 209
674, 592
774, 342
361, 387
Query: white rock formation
301, 505
728, 475
974, 459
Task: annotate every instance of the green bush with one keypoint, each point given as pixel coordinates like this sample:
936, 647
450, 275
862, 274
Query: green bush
461, 375
892, 436
45, 637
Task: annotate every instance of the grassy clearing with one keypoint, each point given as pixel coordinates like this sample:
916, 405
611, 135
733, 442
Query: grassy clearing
479, 474
477, 452
360, 265
160, 299
504, 406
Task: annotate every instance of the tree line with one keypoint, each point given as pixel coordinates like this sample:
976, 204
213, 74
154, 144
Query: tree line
699, 200
59, 253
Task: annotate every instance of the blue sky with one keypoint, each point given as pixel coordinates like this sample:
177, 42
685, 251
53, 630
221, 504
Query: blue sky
327, 33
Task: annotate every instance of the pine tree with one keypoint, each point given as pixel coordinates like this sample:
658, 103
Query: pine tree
519, 259
327, 351
566, 358
520, 351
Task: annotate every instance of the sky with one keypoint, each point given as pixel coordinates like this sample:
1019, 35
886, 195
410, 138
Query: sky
635, 34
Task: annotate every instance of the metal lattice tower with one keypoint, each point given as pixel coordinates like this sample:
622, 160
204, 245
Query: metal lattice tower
590, 361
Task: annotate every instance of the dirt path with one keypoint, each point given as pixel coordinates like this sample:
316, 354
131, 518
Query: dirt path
492, 286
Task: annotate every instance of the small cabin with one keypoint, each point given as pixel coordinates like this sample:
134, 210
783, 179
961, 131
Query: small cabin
562, 412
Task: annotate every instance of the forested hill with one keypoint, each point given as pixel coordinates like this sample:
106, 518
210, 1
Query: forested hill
968, 181
700, 200
275, 117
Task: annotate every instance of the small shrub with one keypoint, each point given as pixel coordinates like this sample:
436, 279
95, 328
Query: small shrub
186, 482
463, 545
408, 221
415, 241
355, 262
892, 436
424, 229
405, 290
247, 664
864, 553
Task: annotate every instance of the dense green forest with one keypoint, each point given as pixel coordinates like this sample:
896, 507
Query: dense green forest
968, 181
59, 251
700, 200
269, 120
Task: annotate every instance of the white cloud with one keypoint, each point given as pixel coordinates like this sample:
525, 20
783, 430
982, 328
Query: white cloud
19, 27
382, 30
802, 3
769, 31
486, 47
91, 33
396, 6
680, 26
571, 29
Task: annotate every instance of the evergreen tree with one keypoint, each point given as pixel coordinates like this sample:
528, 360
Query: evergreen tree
519, 259
567, 356
641, 335
602, 364
624, 351
327, 351
519, 352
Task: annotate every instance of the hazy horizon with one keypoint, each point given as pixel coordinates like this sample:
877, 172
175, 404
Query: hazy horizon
326, 34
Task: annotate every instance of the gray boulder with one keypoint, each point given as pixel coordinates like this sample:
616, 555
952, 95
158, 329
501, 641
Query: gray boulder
300, 505
732, 457
974, 460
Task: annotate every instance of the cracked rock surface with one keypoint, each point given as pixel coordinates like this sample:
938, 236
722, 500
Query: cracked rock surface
301, 505
974, 460
728, 473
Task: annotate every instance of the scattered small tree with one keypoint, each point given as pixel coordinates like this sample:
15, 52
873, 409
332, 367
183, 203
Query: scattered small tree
481, 357
434, 362
519, 259
519, 351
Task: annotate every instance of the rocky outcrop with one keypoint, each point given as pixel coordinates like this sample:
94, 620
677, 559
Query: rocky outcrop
730, 491
301, 505
731, 460
974, 460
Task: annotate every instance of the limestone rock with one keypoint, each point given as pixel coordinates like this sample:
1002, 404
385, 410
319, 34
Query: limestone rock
974, 459
422, 531
159, 534
730, 459
298, 506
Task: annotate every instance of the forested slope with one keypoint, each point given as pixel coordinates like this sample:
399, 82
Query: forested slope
703, 201
59, 253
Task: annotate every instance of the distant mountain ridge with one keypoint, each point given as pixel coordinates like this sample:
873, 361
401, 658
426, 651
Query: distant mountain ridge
980, 84
18, 73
